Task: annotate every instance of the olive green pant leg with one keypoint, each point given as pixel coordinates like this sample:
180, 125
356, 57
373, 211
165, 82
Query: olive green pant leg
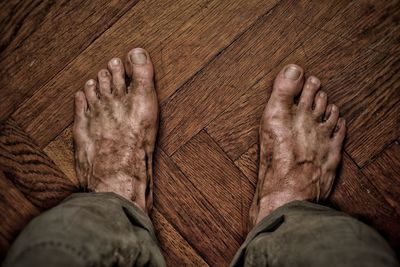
88, 229
304, 234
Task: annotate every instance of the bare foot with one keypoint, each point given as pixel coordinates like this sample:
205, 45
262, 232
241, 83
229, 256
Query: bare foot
115, 130
300, 144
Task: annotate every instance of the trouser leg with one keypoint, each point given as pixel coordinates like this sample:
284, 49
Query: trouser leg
305, 234
88, 229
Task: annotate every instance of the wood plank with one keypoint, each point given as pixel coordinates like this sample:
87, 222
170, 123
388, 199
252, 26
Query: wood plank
40, 39
15, 212
171, 33
211, 171
384, 174
248, 164
233, 72
236, 128
176, 250
188, 210
30, 169
61, 152
372, 24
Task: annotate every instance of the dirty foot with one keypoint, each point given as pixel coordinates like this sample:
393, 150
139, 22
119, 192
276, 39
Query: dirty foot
115, 130
300, 144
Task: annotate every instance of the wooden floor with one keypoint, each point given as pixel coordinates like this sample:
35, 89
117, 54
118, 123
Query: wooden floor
215, 61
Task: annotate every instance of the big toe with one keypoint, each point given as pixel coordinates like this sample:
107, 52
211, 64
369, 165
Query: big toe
140, 68
287, 85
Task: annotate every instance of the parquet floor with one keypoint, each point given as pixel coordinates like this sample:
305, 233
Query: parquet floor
215, 61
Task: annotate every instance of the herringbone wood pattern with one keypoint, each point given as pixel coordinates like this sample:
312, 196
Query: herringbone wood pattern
215, 61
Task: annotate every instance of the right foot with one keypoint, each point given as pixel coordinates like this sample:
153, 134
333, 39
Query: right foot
300, 144
115, 130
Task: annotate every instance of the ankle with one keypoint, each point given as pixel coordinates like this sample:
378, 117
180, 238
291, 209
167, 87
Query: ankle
272, 201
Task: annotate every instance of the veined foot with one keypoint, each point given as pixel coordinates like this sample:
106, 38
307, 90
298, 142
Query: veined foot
300, 144
115, 129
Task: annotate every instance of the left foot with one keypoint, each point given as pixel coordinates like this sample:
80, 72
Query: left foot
115, 130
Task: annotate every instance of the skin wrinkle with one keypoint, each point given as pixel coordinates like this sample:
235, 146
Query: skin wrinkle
298, 152
115, 137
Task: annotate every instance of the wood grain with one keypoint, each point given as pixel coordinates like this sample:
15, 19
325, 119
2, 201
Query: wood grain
384, 174
176, 250
190, 212
373, 24
38, 29
15, 212
248, 164
212, 173
159, 27
340, 65
231, 74
30, 169
215, 62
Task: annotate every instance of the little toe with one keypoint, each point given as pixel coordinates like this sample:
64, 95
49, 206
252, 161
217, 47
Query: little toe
90, 93
118, 76
140, 68
308, 94
104, 78
80, 119
80, 105
332, 119
320, 102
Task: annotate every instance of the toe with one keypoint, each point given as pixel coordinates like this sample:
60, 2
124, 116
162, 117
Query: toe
118, 76
90, 92
80, 105
308, 94
80, 118
287, 85
339, 133
104, 78
140, 69
332, 118
320, 102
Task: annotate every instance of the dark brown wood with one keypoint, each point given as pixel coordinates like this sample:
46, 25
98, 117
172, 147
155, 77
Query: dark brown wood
176, 250
215, 62
191, 213
15, 212
369, 23
384, 174
230, 75
222, 184
30, 169
373, 122
248, 164
42, 37
176, 32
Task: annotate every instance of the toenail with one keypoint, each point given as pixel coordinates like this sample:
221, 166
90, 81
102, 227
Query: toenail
292, 73
138, 57
104, 73
334, 108
314, 80
322, 94
90, 82
115, 61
